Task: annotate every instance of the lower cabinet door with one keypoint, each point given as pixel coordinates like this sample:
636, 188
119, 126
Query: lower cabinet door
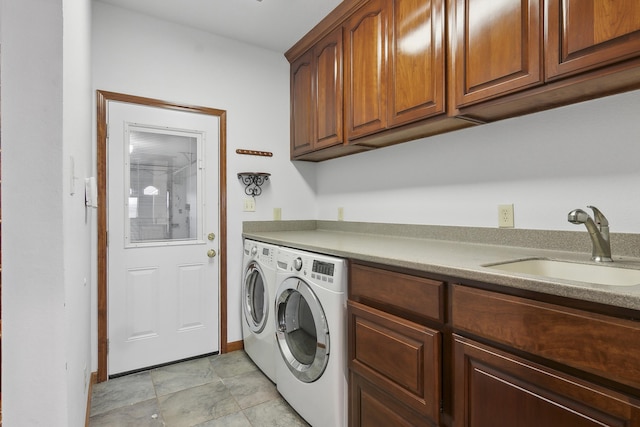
371, 407
400, 358
493, 388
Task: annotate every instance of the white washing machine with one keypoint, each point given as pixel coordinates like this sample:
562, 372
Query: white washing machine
311, 367
258, 296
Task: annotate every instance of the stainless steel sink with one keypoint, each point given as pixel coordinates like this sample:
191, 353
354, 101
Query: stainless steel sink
589, 273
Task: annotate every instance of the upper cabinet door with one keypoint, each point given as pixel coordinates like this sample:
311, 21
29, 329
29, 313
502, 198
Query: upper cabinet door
497, 48
302, 102
365, 50
417, 60
328, 66
316, 96
585, 34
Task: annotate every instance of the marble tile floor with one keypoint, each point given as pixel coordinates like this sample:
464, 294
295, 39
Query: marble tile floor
225, 390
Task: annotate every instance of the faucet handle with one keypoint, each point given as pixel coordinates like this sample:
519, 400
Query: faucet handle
599, 217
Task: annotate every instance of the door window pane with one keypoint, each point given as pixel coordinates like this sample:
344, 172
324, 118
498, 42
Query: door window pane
162, 185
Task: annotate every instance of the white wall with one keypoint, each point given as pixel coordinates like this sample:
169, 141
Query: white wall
546, 164
77, 139
143, 56
45, 238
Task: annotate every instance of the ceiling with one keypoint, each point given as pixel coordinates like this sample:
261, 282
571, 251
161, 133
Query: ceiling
271, 24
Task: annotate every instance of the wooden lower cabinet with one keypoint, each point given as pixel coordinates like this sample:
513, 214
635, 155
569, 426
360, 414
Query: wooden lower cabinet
432, 352
395, 369
493, 388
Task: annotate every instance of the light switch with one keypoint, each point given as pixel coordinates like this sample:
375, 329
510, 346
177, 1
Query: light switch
249, 204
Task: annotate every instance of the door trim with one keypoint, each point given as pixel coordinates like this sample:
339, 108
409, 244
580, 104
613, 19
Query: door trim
103, 98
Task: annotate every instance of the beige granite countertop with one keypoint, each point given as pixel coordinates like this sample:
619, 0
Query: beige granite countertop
460, 252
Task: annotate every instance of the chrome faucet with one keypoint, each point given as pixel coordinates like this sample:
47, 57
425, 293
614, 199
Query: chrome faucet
598, 231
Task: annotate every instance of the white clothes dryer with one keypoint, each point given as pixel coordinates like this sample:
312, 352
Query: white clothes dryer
311, 367
258, 296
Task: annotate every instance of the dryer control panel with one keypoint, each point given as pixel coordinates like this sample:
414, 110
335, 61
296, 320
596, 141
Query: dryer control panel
325, 268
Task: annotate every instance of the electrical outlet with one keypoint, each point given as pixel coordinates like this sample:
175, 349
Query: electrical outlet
505, 216
277, 214
340, 214
249, 204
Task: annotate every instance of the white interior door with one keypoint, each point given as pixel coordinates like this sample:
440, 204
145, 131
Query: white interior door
163, 278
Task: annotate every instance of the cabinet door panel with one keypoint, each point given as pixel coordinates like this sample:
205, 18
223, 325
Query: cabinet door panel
417, 60
495, 389
371, 407
585, 34
397, 355
497, 48
366, 69
302, 131
328, 60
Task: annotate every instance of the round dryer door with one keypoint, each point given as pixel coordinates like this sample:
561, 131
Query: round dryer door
302, 330
255, 298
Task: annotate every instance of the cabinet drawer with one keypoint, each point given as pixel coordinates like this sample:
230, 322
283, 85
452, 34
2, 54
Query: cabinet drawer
416, 295
602, 345
398, 356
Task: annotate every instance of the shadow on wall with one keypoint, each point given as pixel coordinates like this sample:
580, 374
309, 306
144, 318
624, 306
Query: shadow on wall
594, 138
308, 173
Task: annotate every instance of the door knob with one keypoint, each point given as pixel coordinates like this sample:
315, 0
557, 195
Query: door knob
211, 253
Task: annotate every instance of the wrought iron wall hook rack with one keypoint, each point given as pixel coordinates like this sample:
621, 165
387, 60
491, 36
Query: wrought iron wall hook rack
253, 182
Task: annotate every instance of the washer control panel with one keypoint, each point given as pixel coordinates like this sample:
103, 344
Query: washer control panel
266, 254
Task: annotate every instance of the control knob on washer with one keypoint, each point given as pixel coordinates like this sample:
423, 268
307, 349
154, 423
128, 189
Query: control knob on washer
254, 251
297, 264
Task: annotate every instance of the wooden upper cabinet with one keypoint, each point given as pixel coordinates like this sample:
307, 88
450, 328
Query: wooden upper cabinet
416, 60
365, 54
497, 48
374, 73
316, 96
302, 111
586, 34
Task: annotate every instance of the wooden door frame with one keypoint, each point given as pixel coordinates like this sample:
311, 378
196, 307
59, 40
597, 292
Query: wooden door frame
103, 98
